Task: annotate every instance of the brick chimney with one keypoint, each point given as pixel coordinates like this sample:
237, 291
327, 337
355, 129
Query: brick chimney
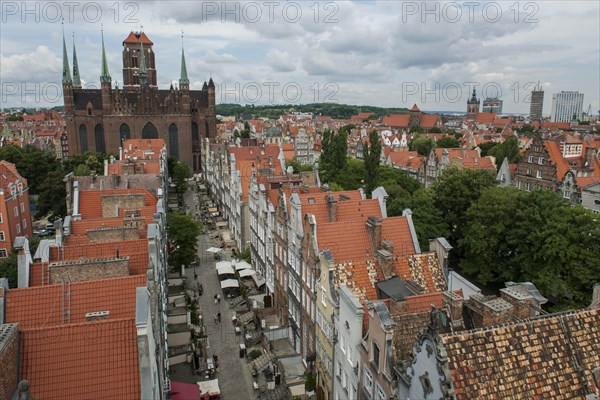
374, 229
386, 261
388, 245
487, 311
332, 208
523, 303
454, 303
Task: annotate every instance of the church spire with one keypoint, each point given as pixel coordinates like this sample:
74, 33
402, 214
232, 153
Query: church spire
183, 80
76, 77
66, 79
105, 77
143, 71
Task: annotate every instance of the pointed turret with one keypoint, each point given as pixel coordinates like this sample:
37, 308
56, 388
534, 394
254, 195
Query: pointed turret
205, 86
66, 78
143, 70
183, 80
211, 83
76, 77
105, 76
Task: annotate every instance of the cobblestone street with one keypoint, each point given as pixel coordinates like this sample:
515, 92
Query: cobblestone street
234, 377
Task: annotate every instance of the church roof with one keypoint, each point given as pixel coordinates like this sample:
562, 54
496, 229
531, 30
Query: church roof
137, 37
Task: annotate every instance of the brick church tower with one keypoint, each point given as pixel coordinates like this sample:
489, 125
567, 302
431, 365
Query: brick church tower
472, 106
100, 119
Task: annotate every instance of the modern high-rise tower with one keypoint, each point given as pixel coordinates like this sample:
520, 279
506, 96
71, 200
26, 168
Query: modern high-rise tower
567, 106
537, 103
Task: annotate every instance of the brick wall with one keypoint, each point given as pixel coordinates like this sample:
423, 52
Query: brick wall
102, 235
112, 203
87, 270
9, 357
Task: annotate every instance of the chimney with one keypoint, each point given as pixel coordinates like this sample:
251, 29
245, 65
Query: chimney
374, 229
596, 297
120, 153
487, 311
106, 167
388, 246
386, 261
332, 208
442, 249
23, 261
454, 303
521, 300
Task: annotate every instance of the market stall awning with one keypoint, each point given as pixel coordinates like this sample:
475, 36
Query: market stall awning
229, 283
246, 272
214, 250
224, 270
221, 264
210, 387
239, 265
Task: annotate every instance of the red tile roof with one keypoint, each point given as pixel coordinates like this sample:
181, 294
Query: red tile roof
485, 117
89, 360
347, 210
43, 306
135, 37
90, 201
546, 358
397, 120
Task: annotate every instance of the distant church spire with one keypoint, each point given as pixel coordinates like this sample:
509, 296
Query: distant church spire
76, 77
183, 80
105, 77
143, 71
66, 79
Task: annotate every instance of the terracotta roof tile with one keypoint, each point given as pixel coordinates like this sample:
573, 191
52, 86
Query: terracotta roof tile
82, 361
516, 361
135, 37
397, 120
42, 306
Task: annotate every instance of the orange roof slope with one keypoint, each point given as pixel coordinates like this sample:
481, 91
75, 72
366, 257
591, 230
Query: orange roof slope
347, 241
516, 362
395, 229
42, 306
397, 120
143, 149
90, 360
90, 201
137, 37
348, 210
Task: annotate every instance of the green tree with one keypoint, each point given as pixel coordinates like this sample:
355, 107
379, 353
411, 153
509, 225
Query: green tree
428, 220
352, 176
397, 183
486, 147
298, 166
182, 231
372, 155
507, 149
447, 142
416, 129
8, 269
181, 173
533, 236
422, 145
454, 192
435, 129
245, 134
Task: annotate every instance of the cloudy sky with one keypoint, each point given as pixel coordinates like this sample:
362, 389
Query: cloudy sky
385, 53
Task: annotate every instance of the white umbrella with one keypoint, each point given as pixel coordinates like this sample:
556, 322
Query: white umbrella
210, 387
221, 264
229, 283
214, 250
224, 270
242, 265
246, 272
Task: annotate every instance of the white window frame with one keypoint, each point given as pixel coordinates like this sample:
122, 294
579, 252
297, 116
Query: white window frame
2, 237
378, 393
324, 297
16, 211
530, 159
24, 224
22, 207
3, 253
541, 160
1, 218
368, 381
18, 228
538, 174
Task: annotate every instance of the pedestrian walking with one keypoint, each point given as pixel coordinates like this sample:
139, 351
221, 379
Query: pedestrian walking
219, 316
219, 298
216, 318
216, 298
